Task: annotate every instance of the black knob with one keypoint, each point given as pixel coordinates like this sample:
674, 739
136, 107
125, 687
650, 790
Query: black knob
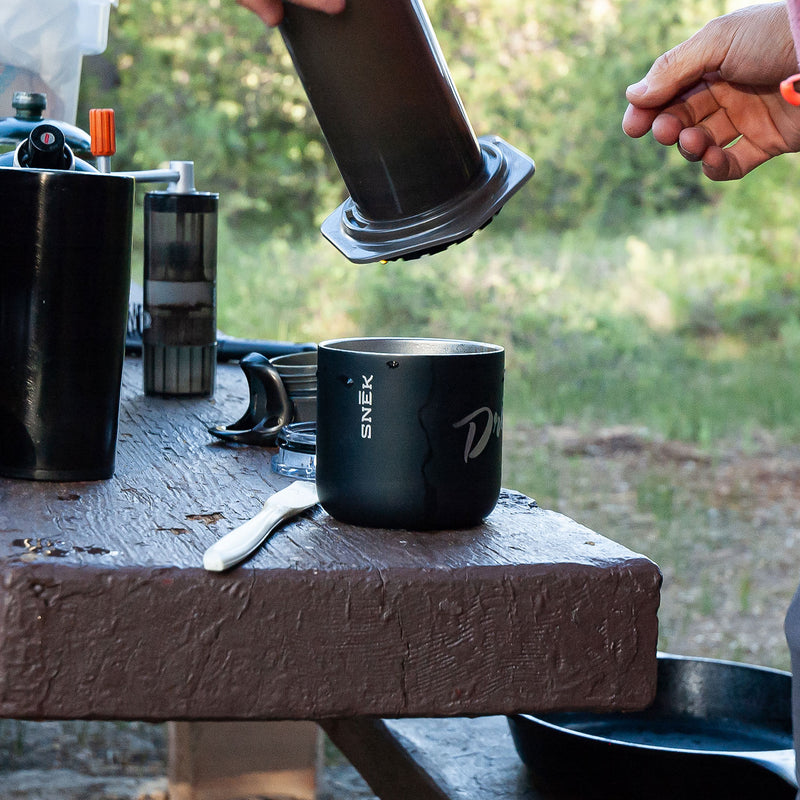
29, 105
45, 148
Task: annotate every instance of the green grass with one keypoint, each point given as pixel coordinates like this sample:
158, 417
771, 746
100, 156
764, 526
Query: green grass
662, 327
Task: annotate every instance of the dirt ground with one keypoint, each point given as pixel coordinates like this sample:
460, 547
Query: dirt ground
79, 760
723, 524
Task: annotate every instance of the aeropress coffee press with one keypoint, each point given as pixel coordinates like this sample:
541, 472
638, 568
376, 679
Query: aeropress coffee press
419, 179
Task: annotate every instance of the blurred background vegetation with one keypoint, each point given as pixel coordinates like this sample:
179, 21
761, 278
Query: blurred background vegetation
627, 289
625, 286
207, 77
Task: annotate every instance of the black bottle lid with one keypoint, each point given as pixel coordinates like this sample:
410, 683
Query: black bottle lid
45, 148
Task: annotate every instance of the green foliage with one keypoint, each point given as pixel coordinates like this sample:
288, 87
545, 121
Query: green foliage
276, 289
612, 306
550, 78
205, 80
759, 216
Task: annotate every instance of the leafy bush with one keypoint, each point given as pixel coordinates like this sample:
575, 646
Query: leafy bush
204, 80
612, 305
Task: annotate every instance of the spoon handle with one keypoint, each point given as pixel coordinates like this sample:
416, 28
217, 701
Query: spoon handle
243, 540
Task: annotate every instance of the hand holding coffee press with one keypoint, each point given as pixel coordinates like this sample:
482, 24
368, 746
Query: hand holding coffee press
418, 177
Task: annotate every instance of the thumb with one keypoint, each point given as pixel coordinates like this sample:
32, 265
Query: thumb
270, 11
677, 70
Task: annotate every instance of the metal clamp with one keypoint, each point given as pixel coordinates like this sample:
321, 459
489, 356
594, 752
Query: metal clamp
269, 410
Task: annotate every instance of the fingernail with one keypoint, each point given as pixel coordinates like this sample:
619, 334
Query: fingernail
637, 89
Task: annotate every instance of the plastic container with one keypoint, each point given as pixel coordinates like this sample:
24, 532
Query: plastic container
44, 53
93, 25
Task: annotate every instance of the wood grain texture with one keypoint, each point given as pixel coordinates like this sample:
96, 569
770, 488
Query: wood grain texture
106, 612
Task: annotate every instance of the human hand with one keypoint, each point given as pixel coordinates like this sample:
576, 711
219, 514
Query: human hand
717, 94
271, 11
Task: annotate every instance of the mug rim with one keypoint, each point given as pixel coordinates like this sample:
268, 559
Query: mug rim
291, 364
370, 346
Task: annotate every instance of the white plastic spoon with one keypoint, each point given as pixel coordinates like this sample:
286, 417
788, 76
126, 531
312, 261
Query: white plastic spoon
240, 542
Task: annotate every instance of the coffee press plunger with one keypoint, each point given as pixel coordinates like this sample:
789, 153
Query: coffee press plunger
418, 177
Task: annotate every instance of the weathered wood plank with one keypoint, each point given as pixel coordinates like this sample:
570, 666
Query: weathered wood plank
105, 611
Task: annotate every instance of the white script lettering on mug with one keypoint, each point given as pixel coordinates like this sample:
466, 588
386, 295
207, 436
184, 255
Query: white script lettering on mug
493, 423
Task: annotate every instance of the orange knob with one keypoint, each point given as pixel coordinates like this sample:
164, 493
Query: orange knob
789, 90
102, 131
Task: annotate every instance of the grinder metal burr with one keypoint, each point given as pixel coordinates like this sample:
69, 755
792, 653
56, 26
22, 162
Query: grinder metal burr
180, 271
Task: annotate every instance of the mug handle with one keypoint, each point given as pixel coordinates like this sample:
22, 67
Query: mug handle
269, 409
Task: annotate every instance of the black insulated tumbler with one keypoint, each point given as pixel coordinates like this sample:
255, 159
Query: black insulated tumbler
64, 285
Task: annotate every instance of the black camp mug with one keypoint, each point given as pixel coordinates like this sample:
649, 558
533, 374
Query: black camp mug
409, 431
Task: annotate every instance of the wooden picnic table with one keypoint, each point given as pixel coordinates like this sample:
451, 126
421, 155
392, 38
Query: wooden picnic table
106, 612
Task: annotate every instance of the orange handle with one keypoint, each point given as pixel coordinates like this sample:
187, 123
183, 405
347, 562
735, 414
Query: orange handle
102, 131
789, 90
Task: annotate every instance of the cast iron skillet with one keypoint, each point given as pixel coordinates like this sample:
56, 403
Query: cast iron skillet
717, 729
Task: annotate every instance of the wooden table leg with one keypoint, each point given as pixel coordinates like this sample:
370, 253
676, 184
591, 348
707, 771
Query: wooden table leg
391, 772
435, 759
228, 760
